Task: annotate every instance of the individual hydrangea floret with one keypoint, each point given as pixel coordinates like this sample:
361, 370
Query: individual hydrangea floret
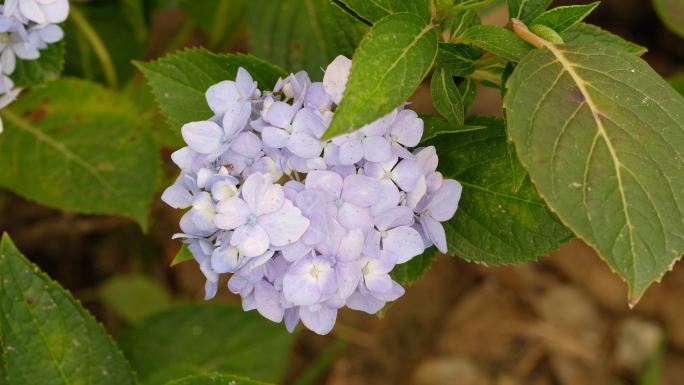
26, 28
306, 227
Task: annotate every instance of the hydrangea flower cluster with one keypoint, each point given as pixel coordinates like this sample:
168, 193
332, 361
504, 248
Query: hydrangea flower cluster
26, 27
306, 226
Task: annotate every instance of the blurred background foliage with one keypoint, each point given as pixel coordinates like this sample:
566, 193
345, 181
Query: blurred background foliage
563, 320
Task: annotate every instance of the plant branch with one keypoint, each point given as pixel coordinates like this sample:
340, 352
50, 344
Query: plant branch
98, 46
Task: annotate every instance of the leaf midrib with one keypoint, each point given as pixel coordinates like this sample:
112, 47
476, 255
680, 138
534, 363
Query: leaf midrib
569, 67
61, 148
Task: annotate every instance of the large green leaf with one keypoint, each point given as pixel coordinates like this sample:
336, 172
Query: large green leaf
671, 12
207, 338
215, 379
302, 34
46, 68
678, 83
46, 337
374, 10
602, 136
499, 41
583, 33
179, 81
78, 147
391, 61
526, 10
498, 221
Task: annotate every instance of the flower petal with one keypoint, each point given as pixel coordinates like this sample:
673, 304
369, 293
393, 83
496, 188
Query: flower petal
284, 226
220, 95
444, 202
350, 152
360, 190
267, 301
251, 240
326, 181
231, 213
203, 137
435, 231
404, 242
335, 78
280, 114
320, 320
377, 149
407, 129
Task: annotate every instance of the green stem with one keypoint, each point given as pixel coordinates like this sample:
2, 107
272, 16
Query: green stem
219, 25
524, 33
98, 46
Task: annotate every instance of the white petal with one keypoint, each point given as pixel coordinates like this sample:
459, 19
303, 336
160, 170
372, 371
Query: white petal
335, 78
351, 246
304, 145
235, 117
406, 174
284, 226
404, 242
267, 300
350, 152
251, 240
232, 213
326, 181
275, 137
377, 149
361, 190
203, 137
220, 95
320, 321
435, 231
444, 202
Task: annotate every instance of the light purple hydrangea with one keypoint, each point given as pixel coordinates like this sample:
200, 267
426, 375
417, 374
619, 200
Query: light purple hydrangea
26, 27
306, 227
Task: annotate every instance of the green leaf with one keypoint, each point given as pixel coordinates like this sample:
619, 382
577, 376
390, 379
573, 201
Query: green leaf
207, 338
45, 334
374, 10
602, 136
433, 127
459, 21
526, 10
677, 83
445, 97
48, 67
133, 297
562, 18
468, 90
671, 12
215, 379
219, 19
391, 61
457, 59
302, 34
183, 255
546, 33
409, 272
497, 221
583, 33
91, 156
497, 40
180, 80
